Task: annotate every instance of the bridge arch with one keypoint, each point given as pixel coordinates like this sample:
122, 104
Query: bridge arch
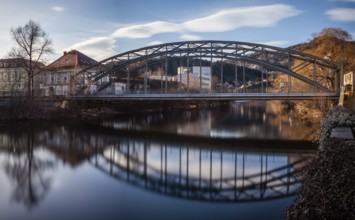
270, 58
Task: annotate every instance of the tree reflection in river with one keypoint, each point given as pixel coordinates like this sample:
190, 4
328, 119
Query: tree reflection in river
28, 168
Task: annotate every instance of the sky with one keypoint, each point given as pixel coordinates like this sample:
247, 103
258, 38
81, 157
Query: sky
103, 28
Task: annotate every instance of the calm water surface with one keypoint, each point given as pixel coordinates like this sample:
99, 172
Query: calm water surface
107, 170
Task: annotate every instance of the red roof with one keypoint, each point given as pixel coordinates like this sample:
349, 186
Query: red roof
72, 59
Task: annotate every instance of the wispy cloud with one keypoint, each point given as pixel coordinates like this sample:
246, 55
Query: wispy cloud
146, 30
221, 21
190, 37
156, 42
276, 43
97, 47
224, 20
57, 8
342, 14
341, 0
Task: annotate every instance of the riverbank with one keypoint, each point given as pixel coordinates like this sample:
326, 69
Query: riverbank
328, 183
311, 114
25, 109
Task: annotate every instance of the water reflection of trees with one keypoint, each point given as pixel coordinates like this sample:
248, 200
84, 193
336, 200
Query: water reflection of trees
31, 152
27, 170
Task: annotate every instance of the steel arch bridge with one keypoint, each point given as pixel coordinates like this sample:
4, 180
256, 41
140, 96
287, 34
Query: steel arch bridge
128, 66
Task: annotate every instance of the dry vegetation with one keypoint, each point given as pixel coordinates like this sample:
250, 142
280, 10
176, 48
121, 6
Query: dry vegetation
333, 44
328, 183
328, 190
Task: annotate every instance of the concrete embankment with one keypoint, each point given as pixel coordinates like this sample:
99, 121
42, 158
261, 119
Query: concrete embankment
328, 190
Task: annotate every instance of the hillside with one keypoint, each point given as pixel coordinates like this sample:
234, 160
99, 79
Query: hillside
332, 48
332, 44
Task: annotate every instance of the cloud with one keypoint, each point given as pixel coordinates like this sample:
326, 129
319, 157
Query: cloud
221, 21
146, 30
342, 0
276, 43
97, 47
155, 43
190, 37
224, 20
230, 19
57, 8
341, 14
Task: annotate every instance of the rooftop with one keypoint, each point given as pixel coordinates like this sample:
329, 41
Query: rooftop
72, 59
16, 63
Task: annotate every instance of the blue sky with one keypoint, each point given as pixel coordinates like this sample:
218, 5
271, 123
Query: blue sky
102, 28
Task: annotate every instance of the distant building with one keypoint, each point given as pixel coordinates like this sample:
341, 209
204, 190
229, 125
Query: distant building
61, 72
163, 78
119, 88
195, 77
349, 82
14, 77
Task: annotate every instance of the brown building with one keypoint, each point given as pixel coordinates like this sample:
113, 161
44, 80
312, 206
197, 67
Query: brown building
63, 70
14, 77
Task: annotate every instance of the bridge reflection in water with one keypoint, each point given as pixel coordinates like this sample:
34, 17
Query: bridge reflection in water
202, 169
200, 173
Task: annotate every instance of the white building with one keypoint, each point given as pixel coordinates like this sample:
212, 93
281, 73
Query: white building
195, 77
120, 88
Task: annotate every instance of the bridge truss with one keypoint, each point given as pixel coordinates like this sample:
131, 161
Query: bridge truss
321, 76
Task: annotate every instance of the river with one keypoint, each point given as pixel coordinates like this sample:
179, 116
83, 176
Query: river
236, 161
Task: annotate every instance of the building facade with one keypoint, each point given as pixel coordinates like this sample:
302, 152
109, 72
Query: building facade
60, 74
14, 77
195, 77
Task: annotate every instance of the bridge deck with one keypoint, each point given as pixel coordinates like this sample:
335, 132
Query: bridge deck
211, 96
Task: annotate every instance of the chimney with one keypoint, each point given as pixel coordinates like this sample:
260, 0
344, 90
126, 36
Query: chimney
65, 52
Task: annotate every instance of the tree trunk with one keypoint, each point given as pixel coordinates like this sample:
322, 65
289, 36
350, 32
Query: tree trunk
29, 86
32, 86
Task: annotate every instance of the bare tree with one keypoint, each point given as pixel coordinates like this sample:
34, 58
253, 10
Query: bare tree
334, 32
32, 44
